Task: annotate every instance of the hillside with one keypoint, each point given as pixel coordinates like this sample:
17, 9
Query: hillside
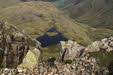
95, 13
6, 3
36, 18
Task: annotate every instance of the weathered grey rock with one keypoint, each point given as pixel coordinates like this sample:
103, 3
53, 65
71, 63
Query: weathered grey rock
111, 38
62, 45
111, 44
104, 40
105, 45
71, 50
109, 49
93, 60
14, 45
91, 68
94, 47
20, 70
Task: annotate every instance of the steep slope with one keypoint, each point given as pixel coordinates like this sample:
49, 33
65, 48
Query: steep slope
6, 3
14, 45
36, 18
96, 13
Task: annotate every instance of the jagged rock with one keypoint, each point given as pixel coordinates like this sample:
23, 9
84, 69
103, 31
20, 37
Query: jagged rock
77, 67
105, 45
14, 45
31, 59
70, 50
109, 49
111, 44
104, 40
94, 47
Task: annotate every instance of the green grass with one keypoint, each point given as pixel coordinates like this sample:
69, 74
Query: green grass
6, 3
104, 57
104, 21
95, 13
51, 51
24, 16
101, 33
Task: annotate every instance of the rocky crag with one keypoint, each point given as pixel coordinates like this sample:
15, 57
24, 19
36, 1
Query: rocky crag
80, 66
14, 45
74, 59
71, 49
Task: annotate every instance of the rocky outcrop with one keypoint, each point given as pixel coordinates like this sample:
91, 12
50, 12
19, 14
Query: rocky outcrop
71, 49
80, 66
14, 45
31, 59
104, 44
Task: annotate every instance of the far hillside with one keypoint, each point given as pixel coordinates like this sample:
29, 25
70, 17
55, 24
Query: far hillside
95, 13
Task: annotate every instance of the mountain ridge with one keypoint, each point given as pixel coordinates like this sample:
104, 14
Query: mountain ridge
95, 13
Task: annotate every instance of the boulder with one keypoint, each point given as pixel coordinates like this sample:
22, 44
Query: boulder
104, 40
105, 45
94, 47
111, 38
70, 50
111, 44
31, 59
109, 49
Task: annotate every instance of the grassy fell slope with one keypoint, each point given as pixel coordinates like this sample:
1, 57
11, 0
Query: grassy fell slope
36, 18
6, 3
95, 13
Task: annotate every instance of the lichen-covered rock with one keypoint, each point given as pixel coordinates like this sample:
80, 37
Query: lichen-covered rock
70, 50
111, 44
31, 59
80, 66
94, 47
14, 45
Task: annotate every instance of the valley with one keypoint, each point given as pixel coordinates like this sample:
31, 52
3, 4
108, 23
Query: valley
54, 35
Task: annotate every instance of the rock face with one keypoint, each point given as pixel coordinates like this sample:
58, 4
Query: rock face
82, 63
104, 44
71, 49
14, 45
94, 47
31, 59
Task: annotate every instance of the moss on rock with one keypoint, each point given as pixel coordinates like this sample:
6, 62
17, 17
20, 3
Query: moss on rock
31, 59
